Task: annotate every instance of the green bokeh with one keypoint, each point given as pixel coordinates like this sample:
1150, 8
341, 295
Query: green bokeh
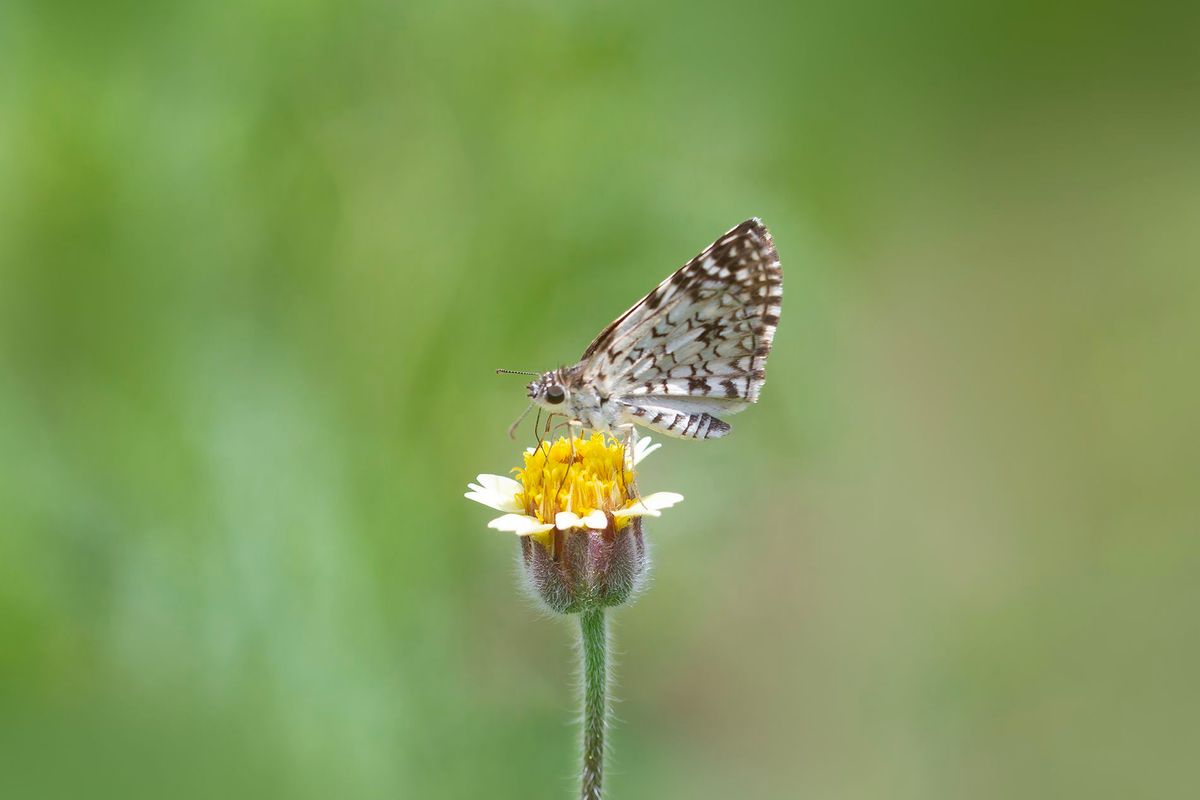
259, 260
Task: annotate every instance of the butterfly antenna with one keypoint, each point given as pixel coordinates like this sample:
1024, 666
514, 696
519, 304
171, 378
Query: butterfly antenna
516, 372
512, 429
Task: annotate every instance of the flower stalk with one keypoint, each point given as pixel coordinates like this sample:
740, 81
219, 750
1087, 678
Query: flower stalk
593, 638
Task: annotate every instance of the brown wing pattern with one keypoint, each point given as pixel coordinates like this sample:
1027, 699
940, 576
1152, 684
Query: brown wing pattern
699, 341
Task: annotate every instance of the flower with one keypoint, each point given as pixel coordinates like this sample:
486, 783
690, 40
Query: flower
576, 509
596, 489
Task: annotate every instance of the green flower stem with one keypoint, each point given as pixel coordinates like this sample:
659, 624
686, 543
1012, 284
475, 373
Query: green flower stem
594, 646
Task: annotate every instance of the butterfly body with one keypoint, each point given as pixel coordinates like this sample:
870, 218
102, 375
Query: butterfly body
690, 351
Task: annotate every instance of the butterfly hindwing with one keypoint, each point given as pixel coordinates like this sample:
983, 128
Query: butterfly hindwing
702, 335
696, 425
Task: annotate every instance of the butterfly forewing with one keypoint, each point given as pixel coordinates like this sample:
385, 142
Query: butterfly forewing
696, 346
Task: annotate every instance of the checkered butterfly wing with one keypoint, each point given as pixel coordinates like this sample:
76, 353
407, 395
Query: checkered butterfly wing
694, 349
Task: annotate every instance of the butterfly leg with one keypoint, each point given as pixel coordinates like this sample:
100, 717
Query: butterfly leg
628, 448
627, 435
574, 431
572, 425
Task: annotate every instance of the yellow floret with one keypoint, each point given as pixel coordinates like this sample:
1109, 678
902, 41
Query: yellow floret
579, 475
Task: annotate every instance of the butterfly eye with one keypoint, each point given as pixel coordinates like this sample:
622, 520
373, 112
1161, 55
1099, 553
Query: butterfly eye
555, 394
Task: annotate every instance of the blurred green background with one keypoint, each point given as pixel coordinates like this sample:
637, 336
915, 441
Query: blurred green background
258, 262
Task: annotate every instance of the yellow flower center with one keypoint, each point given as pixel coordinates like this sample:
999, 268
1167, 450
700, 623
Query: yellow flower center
578, 475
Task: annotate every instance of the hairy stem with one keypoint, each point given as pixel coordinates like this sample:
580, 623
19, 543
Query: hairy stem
594, 646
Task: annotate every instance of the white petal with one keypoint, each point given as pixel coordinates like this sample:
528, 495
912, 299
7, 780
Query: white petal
500, 484
520, 524
494, 501
495, 491
651, 505
596, 520
565, 520
636, 511
643, 448
481, 495
660, 500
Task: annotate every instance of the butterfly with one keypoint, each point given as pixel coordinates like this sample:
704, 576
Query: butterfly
689, 353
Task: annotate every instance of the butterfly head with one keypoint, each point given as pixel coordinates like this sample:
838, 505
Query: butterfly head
549, 390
